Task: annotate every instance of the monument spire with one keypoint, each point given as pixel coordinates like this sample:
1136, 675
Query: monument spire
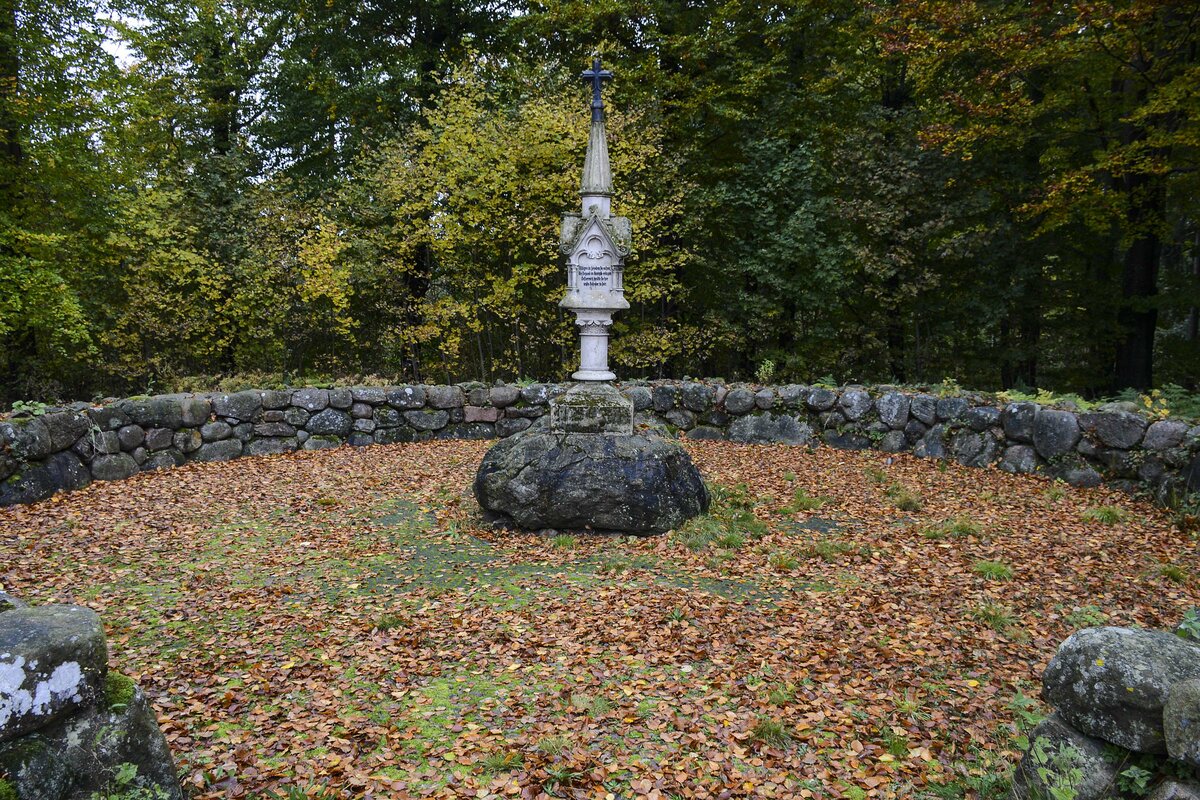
596, 187
596, 244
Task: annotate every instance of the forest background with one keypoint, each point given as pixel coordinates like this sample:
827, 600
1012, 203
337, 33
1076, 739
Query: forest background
1003, 193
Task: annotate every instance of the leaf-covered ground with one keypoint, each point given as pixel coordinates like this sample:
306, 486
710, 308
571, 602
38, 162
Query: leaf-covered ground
850, 625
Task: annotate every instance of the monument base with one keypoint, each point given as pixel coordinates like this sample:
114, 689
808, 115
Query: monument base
593, 375
591, 408
590, 472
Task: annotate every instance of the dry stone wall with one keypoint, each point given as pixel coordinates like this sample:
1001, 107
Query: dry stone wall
67, 448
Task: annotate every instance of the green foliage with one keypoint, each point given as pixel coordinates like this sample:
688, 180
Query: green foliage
1135, 781
33, 409
781, 695
552, 745
592, 705
783, 560
1172, 572
120, 786
1086, 617
284, 191
7, 792
830, 549
1058, 768
1189, 627
495, 763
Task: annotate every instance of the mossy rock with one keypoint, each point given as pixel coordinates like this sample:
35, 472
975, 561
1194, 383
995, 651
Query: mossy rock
118, 690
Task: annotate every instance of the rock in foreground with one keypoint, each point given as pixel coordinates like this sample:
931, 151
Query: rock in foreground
629, 484
1112, 683
69, 728
1063, 758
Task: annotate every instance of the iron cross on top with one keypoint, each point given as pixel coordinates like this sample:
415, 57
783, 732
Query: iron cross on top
596, 77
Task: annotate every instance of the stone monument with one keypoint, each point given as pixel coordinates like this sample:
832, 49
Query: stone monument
595, 243
587, 469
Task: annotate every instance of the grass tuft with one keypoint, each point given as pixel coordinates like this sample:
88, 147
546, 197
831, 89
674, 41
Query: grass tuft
563, 541
771, 732
1173, 573
998, 617
552, 745
1106, 515
904, 498
993, 570
498, 762
783, 561
803, 501
781, 695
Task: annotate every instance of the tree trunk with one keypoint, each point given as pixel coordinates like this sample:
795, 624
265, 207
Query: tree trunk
1137, 316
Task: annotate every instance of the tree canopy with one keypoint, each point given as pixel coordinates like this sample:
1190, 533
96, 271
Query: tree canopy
1003, 193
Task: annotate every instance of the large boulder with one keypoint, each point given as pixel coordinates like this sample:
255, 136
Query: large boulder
1062, 758
821, 399
769, 428
1112, 683
1017, 419
1181, 721
444, 397
406, 397
973, 449
1020, 458
242, 406
85, 755
427, 420
161, 411
53, 660
67, 471
633, 484
696, 396
924, 408
854, 403
1164, 434
223, 450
